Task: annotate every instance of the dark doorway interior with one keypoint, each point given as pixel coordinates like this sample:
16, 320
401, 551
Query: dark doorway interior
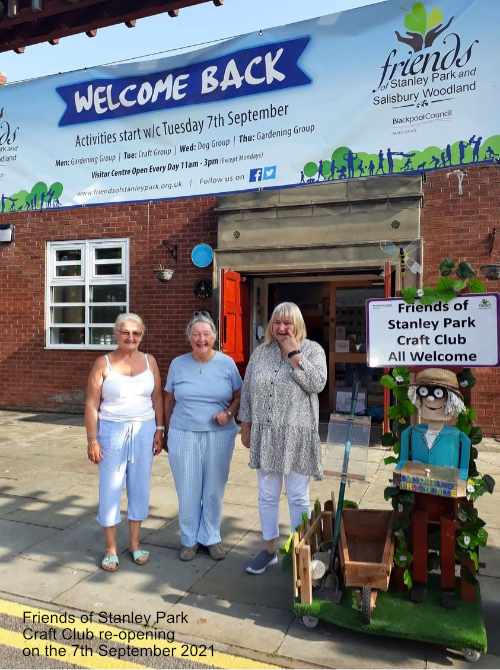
313, 299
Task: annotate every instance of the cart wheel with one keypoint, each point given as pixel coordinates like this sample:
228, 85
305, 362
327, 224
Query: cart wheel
310, 621
471, 655
366, 603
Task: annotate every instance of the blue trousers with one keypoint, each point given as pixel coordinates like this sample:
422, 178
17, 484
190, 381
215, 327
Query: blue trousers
200, 466
127, 461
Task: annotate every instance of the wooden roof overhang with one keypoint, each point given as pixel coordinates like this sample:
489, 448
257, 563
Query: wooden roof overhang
26, 22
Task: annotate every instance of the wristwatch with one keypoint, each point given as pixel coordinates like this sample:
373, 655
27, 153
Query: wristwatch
293, 353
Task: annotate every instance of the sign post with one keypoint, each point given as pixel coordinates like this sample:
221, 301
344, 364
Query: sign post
463, 332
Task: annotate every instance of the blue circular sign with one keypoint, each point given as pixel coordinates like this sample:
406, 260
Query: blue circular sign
202, 255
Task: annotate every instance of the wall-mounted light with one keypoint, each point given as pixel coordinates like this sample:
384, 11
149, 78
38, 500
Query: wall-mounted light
491, 271
171, 248
164, 273
7, 231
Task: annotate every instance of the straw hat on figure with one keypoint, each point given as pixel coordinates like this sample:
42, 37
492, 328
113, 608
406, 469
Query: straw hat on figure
436, 394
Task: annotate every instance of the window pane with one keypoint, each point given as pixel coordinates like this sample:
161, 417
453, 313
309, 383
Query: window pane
68, 270
111, 293
114, 252
68, 255
68, 294
109, 269
105, 314
102, 336
68, 315
67, 335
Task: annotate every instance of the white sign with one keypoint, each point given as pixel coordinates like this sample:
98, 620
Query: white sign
462, 332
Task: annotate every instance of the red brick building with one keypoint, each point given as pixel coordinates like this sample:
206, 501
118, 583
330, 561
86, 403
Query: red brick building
319, 245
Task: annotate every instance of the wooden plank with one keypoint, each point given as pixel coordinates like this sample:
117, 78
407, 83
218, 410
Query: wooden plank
365, 574
388, 554
306, 537
327, 526
343, 547
295, 542
305, 575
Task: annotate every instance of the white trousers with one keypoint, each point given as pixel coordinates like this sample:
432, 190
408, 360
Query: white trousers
297, 491
127, 461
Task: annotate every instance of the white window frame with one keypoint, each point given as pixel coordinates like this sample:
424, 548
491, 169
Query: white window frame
87, 279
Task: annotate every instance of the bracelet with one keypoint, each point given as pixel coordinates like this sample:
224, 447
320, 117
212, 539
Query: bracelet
160, 428
291, 354
91, 439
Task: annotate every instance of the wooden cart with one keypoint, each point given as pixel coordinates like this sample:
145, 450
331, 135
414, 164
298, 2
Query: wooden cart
366, 553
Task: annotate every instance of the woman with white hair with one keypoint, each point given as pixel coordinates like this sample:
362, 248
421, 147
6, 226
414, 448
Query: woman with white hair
202, 396
280, 414
124, 423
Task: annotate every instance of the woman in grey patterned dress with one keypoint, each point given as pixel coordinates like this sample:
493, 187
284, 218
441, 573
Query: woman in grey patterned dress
279, 413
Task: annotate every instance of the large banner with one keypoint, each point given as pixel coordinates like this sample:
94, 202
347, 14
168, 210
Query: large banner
396, 87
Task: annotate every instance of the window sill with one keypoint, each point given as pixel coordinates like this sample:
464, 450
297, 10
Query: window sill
80, 347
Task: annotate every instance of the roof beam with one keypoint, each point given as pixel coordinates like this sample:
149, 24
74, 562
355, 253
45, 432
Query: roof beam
60, 18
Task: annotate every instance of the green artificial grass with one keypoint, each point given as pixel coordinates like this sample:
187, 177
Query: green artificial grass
396, 616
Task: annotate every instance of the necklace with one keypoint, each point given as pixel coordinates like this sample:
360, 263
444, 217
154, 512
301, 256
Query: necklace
201, 364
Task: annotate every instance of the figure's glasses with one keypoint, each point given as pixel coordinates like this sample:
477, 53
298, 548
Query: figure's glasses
437, 392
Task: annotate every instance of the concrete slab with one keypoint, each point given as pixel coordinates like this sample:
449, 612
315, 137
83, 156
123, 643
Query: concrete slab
272, 589
30, 579
491, 554
60, 513
490, 595
156, 586
456, 660
255, 627
9, 504
333, 647
80, 547
18, 537
237, 520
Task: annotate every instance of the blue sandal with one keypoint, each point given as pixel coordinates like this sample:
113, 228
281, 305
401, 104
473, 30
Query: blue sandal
110, 563
140, 556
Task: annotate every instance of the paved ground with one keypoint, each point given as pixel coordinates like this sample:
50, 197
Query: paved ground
50, 547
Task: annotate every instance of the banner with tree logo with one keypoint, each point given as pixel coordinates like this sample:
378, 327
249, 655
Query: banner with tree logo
384, 89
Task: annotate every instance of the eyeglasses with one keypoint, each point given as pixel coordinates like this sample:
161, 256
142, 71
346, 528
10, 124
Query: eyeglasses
130, 333
437, 392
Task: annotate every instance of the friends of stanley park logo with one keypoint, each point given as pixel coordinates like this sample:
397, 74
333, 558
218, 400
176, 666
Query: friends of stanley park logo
431, 61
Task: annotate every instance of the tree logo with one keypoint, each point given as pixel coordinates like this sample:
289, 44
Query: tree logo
8, 132
422, 27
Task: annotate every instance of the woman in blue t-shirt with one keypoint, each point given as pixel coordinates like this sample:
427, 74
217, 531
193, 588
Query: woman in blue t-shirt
202, 396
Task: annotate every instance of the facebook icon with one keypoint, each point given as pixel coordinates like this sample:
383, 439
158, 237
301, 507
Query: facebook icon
256, 174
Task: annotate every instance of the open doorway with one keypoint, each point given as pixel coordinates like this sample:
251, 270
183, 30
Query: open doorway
333, 306
334, 313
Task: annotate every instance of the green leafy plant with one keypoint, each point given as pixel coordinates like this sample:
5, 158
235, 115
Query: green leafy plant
471, 534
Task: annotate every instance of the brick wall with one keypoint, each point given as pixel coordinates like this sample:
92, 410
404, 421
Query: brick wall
458, 226
32, 377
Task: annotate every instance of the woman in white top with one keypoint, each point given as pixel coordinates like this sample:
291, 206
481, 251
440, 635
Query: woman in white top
124, 423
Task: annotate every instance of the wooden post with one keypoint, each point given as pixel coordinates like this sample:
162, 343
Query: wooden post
295, 542
305, 575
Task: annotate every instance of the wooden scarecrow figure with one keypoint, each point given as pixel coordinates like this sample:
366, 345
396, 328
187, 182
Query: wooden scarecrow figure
435, 457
